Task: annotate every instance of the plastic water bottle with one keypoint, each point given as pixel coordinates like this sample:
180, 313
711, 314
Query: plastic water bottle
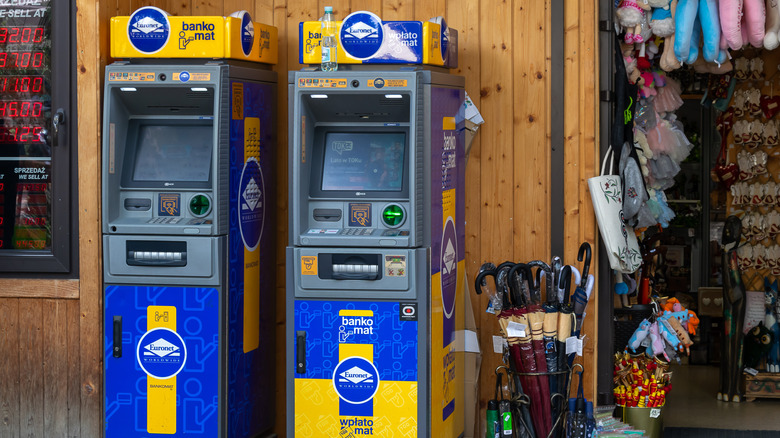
328, 45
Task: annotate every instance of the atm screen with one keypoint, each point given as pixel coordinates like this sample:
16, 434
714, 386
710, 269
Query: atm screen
174, 153
363, 161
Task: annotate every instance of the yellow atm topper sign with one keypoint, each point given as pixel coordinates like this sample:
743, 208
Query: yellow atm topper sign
151, 33
363, 38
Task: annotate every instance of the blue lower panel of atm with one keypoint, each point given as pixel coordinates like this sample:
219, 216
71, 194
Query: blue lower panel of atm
165, 380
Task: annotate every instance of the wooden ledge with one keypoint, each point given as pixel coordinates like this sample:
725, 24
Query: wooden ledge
32, 288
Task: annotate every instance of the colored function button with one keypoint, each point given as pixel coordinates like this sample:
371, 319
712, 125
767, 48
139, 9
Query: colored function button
200, 205
393, 215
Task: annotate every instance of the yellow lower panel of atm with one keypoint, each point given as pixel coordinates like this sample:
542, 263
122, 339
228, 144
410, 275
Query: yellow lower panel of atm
317, 411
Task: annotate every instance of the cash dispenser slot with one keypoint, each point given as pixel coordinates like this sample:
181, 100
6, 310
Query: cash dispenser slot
350, 266
138, 204
327, 214
152, 253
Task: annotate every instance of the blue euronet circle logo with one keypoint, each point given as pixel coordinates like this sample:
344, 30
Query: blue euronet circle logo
247, 33
445, 39
184, 76
252, 204
149, 29
361, 34
161, 353
356, 380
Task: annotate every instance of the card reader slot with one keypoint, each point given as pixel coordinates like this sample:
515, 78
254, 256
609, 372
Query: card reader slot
151, 253
350, 266
327, 214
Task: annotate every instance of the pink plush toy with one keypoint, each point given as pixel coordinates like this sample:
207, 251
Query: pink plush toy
731, 23
657, 341
755, 19
772, 33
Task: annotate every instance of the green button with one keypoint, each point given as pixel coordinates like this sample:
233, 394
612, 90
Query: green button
393, 215
200, 205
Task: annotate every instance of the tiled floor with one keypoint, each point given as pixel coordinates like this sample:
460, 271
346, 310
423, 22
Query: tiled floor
692, 403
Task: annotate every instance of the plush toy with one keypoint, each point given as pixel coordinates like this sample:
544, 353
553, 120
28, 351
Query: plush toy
661, 21
630, 62
758, 342
685, 30
639, 335
630, 15
772, 30
731, 23
656, 341
755, 20
646, 84
668, 61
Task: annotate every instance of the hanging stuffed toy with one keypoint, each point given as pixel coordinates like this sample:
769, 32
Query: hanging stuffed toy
731, 23
661, 21
668, 61
772, 30
631, 15
755, 20
685, 28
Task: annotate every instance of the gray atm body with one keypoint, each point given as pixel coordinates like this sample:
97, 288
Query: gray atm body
337, 265
174, 246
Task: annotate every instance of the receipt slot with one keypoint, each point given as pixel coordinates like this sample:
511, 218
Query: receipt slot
375, 265
188, 248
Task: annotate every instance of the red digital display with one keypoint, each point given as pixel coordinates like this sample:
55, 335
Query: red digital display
20, 134
20, 108
21, 84
21, 59
21, 34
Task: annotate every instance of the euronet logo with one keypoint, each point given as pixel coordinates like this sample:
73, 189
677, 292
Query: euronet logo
147, 25
161, 348
356, 375
362, 30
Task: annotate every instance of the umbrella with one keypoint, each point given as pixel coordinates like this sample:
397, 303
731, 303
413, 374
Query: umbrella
536, 323
506, 278
577, 426
584, 289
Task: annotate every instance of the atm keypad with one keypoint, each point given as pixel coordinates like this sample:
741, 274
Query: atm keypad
164, 220
357, 231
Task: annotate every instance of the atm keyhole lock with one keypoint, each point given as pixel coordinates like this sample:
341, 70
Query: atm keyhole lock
300, 352
117, 336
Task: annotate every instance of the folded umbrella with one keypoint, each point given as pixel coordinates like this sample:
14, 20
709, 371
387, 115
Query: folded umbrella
536, 321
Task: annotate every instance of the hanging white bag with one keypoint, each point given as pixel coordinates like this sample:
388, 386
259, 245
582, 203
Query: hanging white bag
606, 192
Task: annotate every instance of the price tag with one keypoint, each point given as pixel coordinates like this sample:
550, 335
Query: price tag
515, 330
498, 344
655, 413
580, 343
571, 345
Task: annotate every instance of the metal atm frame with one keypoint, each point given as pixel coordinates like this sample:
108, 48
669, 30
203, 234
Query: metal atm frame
188, 324
374, 303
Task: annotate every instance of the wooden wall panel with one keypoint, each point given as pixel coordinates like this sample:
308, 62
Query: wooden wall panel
581, 155
55, 373
31, 376
9, 367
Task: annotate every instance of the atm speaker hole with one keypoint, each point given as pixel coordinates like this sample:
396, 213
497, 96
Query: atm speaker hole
113, 229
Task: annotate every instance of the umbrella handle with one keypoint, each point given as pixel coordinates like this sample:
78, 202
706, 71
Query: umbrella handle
586, 250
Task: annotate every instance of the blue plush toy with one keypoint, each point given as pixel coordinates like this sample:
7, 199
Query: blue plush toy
686, 35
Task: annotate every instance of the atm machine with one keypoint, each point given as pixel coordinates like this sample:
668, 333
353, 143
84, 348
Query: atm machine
188, 246
375, 262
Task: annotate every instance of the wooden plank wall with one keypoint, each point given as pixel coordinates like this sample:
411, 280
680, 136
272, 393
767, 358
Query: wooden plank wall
50, 383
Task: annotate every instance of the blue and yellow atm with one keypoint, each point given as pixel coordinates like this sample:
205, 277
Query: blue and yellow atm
188, 230
375, 262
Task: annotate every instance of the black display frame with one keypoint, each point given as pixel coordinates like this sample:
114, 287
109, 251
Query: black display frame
61, 259
318, 163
